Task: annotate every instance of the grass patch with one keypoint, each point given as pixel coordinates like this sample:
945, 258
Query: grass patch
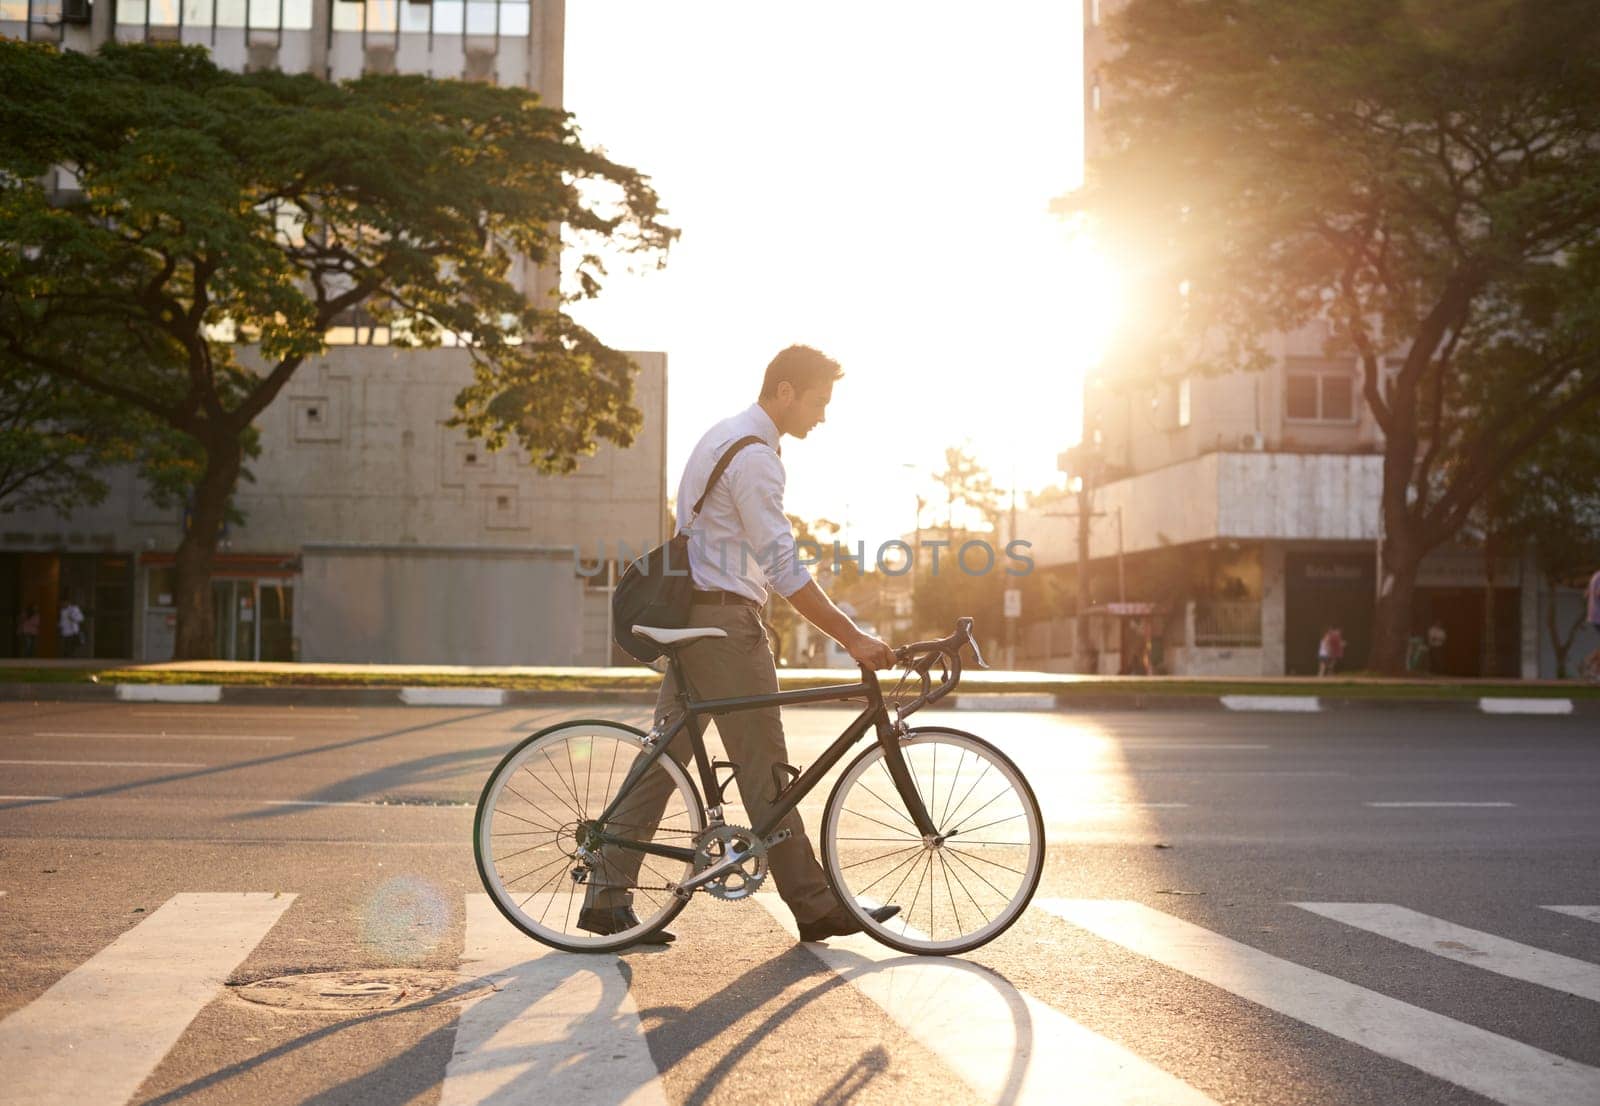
1067, 686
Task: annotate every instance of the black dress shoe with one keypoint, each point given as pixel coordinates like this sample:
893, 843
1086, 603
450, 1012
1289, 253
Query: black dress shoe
841, 924
616, 919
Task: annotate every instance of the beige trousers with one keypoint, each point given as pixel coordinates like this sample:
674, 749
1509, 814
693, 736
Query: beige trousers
725, 668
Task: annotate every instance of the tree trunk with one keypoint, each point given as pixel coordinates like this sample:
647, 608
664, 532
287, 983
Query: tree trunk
1561, 645
1487, 656
196, 635
1397, 587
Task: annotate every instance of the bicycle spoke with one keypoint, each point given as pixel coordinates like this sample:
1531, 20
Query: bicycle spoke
944, 814
892, 807
998, 795
558, 798
981, 877
944, 866
874, 821
997, 822
885, 856
965, 891
984, 860
986, 766
501, 810
886, 875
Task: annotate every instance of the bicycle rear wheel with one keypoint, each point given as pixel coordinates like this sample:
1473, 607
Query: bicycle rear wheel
962, 888
537, 815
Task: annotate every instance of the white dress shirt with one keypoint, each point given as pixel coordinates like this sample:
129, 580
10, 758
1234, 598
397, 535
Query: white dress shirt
741, 541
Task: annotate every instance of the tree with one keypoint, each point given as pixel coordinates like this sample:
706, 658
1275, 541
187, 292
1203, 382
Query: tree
1551, 500
50, 452
211, 206
1422, 178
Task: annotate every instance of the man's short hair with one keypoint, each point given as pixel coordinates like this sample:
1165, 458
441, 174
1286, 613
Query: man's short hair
801, 366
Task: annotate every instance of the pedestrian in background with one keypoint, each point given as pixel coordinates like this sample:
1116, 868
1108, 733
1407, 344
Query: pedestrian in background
1594, 600
71, 625
1330, 651
28, 628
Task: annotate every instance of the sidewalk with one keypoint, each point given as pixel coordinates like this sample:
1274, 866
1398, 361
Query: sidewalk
445, 685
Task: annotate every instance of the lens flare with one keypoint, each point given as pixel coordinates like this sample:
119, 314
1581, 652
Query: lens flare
405, 919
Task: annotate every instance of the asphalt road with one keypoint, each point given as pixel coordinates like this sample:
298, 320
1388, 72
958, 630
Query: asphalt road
1193, 938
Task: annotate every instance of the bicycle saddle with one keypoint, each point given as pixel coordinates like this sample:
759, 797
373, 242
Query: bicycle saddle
669, 638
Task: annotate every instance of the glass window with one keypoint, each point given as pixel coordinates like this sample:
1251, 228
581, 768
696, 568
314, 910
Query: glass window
1338, 397
45, 11
264, 14
414, 17
383, 15
448, 17
14, 11
230, 13
163, 13
1301, 396
346, 16
481, 17
297, 15
131, 13
161, 584
198, 13
513, 20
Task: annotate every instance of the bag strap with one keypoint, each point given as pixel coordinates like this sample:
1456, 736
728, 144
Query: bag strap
721, 467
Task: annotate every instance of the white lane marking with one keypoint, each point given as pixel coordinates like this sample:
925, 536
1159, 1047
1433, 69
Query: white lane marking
1430, 804
1587, 913
453, 696
395, 804
1469, 946
1003, 1043
102, 1028
560, 1027
1139, 745
29, 799
1525, 706
109, 763
126, 735
1300, 704
169, 693
229, 714
1005, 702
1493, 1066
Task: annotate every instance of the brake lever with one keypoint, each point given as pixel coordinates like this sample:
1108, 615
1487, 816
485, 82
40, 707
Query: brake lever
978, 656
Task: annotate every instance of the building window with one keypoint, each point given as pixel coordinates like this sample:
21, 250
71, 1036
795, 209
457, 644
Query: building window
1094, 13
480, 18
1319, 391
1094, 95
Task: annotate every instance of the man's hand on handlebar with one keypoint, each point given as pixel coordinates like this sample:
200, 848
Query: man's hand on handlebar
871, 652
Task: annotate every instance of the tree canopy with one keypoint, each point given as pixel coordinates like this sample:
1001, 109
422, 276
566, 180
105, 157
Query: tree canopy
161, 214
1422, 178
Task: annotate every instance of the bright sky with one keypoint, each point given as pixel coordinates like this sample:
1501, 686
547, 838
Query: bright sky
870, 177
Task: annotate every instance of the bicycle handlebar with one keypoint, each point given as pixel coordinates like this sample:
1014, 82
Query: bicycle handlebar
919, 657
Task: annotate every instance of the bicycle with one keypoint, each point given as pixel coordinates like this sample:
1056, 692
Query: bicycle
967, 840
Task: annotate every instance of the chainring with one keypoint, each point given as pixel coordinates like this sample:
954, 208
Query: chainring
739, 882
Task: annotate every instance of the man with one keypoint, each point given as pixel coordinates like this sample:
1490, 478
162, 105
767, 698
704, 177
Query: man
70, 623
741, 547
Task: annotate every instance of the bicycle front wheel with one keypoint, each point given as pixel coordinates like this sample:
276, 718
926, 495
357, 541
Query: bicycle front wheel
535, 837
963, 887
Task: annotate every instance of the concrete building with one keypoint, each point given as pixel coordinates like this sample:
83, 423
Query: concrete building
373, 532
1235, 517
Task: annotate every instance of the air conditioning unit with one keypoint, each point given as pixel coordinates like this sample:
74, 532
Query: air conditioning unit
1253, 442
75, 11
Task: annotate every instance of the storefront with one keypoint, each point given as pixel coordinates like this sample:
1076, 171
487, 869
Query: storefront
253, 599
1323, 590
101, 584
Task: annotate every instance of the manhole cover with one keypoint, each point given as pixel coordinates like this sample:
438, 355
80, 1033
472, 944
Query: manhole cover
359, 992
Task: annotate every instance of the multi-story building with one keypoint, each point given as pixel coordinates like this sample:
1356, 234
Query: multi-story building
373, 532
1235, 516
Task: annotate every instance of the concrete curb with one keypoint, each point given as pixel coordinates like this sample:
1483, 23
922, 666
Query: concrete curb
492, 698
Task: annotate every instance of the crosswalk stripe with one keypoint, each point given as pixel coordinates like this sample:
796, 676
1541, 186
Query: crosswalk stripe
1587, 913
94, 1036
1003, 1043
560, 1027
1493, 1066
1469, 946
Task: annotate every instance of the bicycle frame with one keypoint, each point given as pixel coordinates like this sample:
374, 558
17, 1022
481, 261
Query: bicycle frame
691, 717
